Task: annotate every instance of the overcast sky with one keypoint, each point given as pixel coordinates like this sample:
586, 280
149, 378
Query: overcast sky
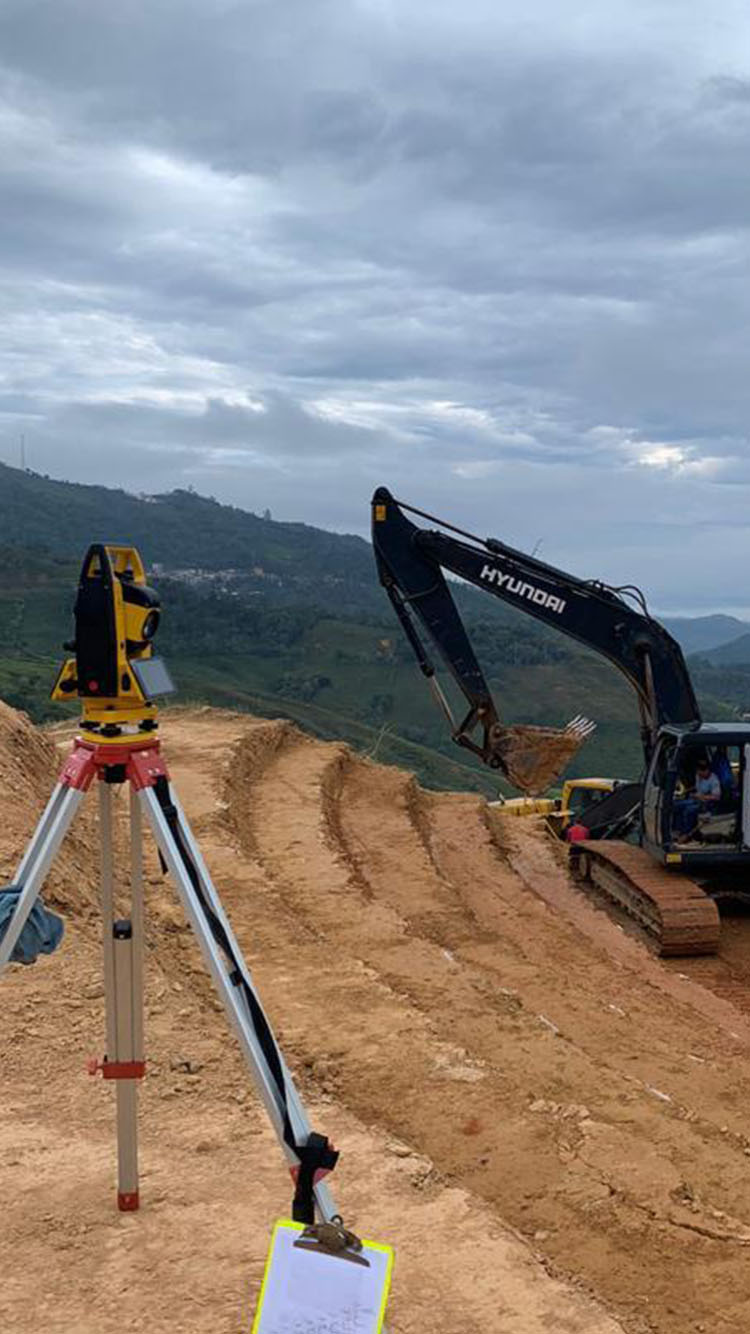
493, 255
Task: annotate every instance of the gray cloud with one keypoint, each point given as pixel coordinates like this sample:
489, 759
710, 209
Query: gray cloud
494, 256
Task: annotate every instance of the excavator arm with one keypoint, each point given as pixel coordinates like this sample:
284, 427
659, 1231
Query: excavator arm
411, 561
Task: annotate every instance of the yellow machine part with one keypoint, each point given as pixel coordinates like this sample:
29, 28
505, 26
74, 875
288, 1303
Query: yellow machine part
561, 811
584, 785
105, 712
520, 806
129, 708
569, 809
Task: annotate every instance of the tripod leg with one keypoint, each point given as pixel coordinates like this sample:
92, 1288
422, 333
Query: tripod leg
136, 913
296, 1108
123, 979
232, 980
128, 942
36, 861
127, 1089
107, 891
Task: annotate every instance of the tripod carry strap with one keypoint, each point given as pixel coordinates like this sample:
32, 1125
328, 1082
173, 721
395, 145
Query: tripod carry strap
317, 1155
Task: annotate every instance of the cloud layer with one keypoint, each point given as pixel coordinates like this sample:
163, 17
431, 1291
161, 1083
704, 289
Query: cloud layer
494, 256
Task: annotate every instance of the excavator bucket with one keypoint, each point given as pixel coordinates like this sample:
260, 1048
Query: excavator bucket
533, 758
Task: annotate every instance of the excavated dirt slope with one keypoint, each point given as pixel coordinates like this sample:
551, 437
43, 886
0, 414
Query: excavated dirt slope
548, 1123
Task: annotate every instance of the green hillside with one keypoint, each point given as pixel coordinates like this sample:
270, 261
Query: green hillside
334, 675
337, 676
732, 654
187, 532
284, 619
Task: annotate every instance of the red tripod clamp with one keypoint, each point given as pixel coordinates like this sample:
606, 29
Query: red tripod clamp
139, 758
116, 1069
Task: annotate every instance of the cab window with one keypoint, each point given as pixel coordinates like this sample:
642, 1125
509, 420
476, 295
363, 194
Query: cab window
583, 798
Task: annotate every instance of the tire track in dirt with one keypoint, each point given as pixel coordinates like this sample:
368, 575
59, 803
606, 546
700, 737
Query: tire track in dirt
718, 985
191, 1260
597, 1174
282, 820
725, 975
514, 941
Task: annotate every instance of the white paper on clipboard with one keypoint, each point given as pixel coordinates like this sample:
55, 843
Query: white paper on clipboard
306, 1292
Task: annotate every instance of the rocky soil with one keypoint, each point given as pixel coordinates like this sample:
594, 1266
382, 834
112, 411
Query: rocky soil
548, 1123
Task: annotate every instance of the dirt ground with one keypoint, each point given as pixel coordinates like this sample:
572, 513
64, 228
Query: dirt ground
548, 1123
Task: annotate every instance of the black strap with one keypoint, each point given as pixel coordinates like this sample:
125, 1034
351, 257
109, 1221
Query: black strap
317, 1154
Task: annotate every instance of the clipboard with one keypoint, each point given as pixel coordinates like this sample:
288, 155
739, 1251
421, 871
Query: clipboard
310, 1289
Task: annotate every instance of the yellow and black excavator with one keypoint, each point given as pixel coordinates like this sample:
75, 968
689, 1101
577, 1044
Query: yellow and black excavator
658, 851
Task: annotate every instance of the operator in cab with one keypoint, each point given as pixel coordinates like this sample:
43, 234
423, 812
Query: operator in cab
705, 797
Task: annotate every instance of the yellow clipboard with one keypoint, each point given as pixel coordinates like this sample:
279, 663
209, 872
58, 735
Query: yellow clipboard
308, 1289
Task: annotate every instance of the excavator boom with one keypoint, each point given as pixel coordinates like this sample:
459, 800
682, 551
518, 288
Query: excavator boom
411, 561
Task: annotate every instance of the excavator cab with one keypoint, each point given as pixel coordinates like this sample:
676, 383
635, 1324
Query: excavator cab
677, 828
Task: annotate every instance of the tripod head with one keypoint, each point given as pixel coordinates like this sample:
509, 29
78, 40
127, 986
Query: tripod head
114, 671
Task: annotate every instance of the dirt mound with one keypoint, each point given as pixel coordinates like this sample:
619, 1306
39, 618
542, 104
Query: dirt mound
519, 1089
29, 768
28, 759
257, 748
530, 1069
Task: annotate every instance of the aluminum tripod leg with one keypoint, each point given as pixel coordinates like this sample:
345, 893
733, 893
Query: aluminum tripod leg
220, 968
38, 858
136, 914
298, 1115
123, 985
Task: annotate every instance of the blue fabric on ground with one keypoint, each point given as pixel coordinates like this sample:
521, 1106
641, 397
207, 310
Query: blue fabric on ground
42, 932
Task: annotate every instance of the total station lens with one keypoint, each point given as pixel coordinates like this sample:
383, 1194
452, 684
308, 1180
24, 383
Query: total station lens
150, 625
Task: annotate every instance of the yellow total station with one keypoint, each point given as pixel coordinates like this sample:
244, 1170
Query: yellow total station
114, 671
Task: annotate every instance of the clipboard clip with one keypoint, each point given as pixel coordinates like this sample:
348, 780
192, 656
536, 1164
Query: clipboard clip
332, 1239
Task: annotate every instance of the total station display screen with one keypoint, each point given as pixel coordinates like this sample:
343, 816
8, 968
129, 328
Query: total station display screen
153, 677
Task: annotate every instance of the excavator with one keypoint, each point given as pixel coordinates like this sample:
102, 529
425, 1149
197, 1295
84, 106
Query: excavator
663, 858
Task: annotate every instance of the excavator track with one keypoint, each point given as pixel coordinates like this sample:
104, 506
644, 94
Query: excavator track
673, 909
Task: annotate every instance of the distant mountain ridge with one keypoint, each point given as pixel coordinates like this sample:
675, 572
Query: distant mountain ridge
221, 548
179, 528
184, 531
701, 634
734, 654
288, 619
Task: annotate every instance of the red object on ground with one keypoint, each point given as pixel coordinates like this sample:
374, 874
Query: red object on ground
576, 833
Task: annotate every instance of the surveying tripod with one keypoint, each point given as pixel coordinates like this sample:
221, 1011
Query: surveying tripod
119, 746
142, 767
